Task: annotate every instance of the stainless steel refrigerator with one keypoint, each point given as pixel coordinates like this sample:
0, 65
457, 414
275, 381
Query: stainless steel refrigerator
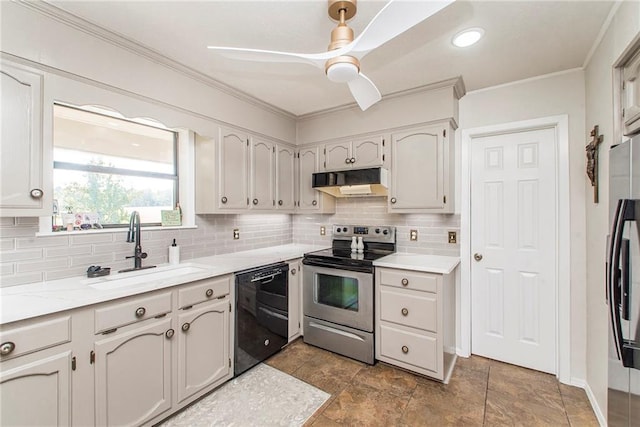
623, 285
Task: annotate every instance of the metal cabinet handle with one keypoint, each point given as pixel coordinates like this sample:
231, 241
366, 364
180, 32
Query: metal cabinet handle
405, 282
255, 201
169, 333
477, 257
293, 271
405, 349
209, 293
186, 326
6, 348
280, 202
405, 312
314, 203
393, 200
36, 193
352, 160
140, 311
224, 200
347, 160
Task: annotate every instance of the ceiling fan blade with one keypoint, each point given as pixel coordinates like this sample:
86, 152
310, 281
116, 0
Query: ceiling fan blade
316, 59
364, 91
394, 18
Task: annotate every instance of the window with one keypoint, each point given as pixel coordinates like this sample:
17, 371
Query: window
106, 167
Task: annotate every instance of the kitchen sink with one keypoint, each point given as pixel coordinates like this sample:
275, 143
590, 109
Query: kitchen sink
145, 276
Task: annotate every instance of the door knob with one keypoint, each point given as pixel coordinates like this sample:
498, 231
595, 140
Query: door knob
477, 257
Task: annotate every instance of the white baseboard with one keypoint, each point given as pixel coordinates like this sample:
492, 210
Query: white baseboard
600, 415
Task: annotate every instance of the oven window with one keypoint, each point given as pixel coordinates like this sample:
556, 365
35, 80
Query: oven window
337, 291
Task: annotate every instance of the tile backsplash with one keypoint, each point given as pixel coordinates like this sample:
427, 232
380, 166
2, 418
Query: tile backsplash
25, 258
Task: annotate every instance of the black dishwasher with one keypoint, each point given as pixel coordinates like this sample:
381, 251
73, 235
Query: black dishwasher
262, 320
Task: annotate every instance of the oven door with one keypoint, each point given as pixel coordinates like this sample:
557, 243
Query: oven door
339, 296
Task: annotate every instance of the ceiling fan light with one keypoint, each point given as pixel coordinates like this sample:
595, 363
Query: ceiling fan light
467, 37
342, 72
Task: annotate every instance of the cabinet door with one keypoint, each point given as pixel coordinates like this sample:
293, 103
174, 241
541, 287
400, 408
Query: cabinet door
294, 299
307, 166
133, 375
232, 169
21, 143
337, 156
203, 347
368, 152
285, 177
417, 171
262, 174
38, 393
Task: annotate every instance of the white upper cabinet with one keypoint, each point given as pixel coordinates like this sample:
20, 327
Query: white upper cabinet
232, 162
285, 177
360, 153
22, 179
262, 174
422, 170
308, 198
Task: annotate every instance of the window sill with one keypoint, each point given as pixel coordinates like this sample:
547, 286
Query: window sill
110, 230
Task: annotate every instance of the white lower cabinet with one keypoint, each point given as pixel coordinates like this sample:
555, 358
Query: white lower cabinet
415, 321
203, 347
133, 374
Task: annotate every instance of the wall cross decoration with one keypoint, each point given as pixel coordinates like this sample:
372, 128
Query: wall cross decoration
592, 160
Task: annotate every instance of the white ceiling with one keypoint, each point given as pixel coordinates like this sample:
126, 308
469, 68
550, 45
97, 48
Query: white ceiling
522, 39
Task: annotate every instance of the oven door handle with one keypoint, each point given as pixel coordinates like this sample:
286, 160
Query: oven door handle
271, 278
335, 331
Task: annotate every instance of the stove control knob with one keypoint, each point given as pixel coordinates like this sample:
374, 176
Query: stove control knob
377, 231
385, 232
344, 229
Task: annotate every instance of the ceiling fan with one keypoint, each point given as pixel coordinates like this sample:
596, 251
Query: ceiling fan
341, 62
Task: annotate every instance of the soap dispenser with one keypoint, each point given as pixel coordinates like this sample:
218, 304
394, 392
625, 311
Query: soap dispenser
174, 253
354, 244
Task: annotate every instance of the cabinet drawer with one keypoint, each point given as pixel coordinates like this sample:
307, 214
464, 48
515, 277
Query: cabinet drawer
204, 290
37, 336
410, 308
410, 280
419, 350
132, 311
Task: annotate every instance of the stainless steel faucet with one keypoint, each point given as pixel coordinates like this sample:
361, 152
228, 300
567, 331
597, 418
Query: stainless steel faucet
134, 235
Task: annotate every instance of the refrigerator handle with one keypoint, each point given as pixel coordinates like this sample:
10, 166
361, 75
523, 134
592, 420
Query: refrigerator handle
624, 278
613, 273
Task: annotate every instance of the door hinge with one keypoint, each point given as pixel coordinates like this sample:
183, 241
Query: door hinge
325, 164
229, 307
274, 202
92, 357
383, 157
383, 142
623, 113
325, 151
188, 307
444, 199
274, 149
444, 133
109, 331
159, 316
73, 363
247, 201
229, 362
247, 142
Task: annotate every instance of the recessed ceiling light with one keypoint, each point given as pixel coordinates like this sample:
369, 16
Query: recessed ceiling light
467, 37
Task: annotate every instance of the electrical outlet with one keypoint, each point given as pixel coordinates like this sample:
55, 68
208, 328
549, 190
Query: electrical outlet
323, 230
236, 233
453, 237
413, 235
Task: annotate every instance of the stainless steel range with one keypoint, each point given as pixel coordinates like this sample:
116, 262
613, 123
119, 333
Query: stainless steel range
338, 290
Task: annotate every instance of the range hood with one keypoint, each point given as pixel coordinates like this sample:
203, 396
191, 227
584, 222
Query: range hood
352, 182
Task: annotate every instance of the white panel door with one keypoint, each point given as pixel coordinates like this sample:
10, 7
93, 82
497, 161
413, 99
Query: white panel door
233, 154
285, 177
262, 174
513, 239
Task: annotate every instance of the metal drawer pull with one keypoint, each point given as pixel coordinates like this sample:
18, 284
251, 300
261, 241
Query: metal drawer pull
6, 348
347, 160
186, 326
140, 311
314, 203
405, 282
169, 333
209, 293
477, 257
280, 202
255, 201
293, 271
393, 200
405, 312
353, 160
36, 193
224, 200
405, 349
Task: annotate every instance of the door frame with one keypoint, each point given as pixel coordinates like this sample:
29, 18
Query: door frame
560, 124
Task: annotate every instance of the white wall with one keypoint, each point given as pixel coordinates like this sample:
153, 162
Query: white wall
599, 111
551, 95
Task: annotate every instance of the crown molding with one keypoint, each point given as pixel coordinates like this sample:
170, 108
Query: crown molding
456, 83
139, 49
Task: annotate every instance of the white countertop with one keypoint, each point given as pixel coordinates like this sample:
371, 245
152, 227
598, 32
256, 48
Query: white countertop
426, 263
38, 299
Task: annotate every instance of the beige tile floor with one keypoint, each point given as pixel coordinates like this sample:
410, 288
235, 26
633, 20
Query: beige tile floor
481, 392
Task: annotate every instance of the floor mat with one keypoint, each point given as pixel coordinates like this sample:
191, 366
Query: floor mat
262, 396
